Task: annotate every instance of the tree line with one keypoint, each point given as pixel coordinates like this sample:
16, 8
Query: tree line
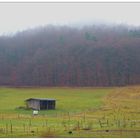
69, 56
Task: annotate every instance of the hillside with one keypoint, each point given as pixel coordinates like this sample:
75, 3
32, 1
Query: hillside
70, 56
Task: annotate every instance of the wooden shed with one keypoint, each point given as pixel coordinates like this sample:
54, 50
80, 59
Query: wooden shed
40, 103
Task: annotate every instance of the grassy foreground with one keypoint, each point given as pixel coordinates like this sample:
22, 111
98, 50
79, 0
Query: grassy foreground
80, 112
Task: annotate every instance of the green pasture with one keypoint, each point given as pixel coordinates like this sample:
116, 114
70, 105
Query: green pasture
80, 112
67, 99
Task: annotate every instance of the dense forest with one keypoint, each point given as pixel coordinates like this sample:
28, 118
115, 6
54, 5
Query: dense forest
69, 56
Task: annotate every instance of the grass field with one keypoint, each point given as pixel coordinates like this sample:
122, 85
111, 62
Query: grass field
80, 112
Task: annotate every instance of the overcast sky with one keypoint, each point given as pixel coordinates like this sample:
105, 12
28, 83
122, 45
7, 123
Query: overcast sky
19, 16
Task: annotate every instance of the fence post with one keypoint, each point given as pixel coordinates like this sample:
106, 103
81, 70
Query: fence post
11, 128
6, 128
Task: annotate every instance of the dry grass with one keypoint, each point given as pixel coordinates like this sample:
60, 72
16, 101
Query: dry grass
49, 135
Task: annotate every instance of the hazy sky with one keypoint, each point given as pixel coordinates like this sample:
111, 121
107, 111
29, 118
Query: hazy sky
19, 16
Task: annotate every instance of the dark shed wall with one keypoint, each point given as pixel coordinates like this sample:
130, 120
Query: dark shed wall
47, 104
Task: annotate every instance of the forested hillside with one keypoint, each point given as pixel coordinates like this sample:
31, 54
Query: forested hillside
70, 56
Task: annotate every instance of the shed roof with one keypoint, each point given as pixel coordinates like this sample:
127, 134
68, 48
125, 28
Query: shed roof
40, 99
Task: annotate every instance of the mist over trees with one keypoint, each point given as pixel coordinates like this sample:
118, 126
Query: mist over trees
70, 56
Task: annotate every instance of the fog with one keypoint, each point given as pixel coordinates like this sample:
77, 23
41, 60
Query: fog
19, 16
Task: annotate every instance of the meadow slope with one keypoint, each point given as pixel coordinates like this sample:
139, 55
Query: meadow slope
80, 112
